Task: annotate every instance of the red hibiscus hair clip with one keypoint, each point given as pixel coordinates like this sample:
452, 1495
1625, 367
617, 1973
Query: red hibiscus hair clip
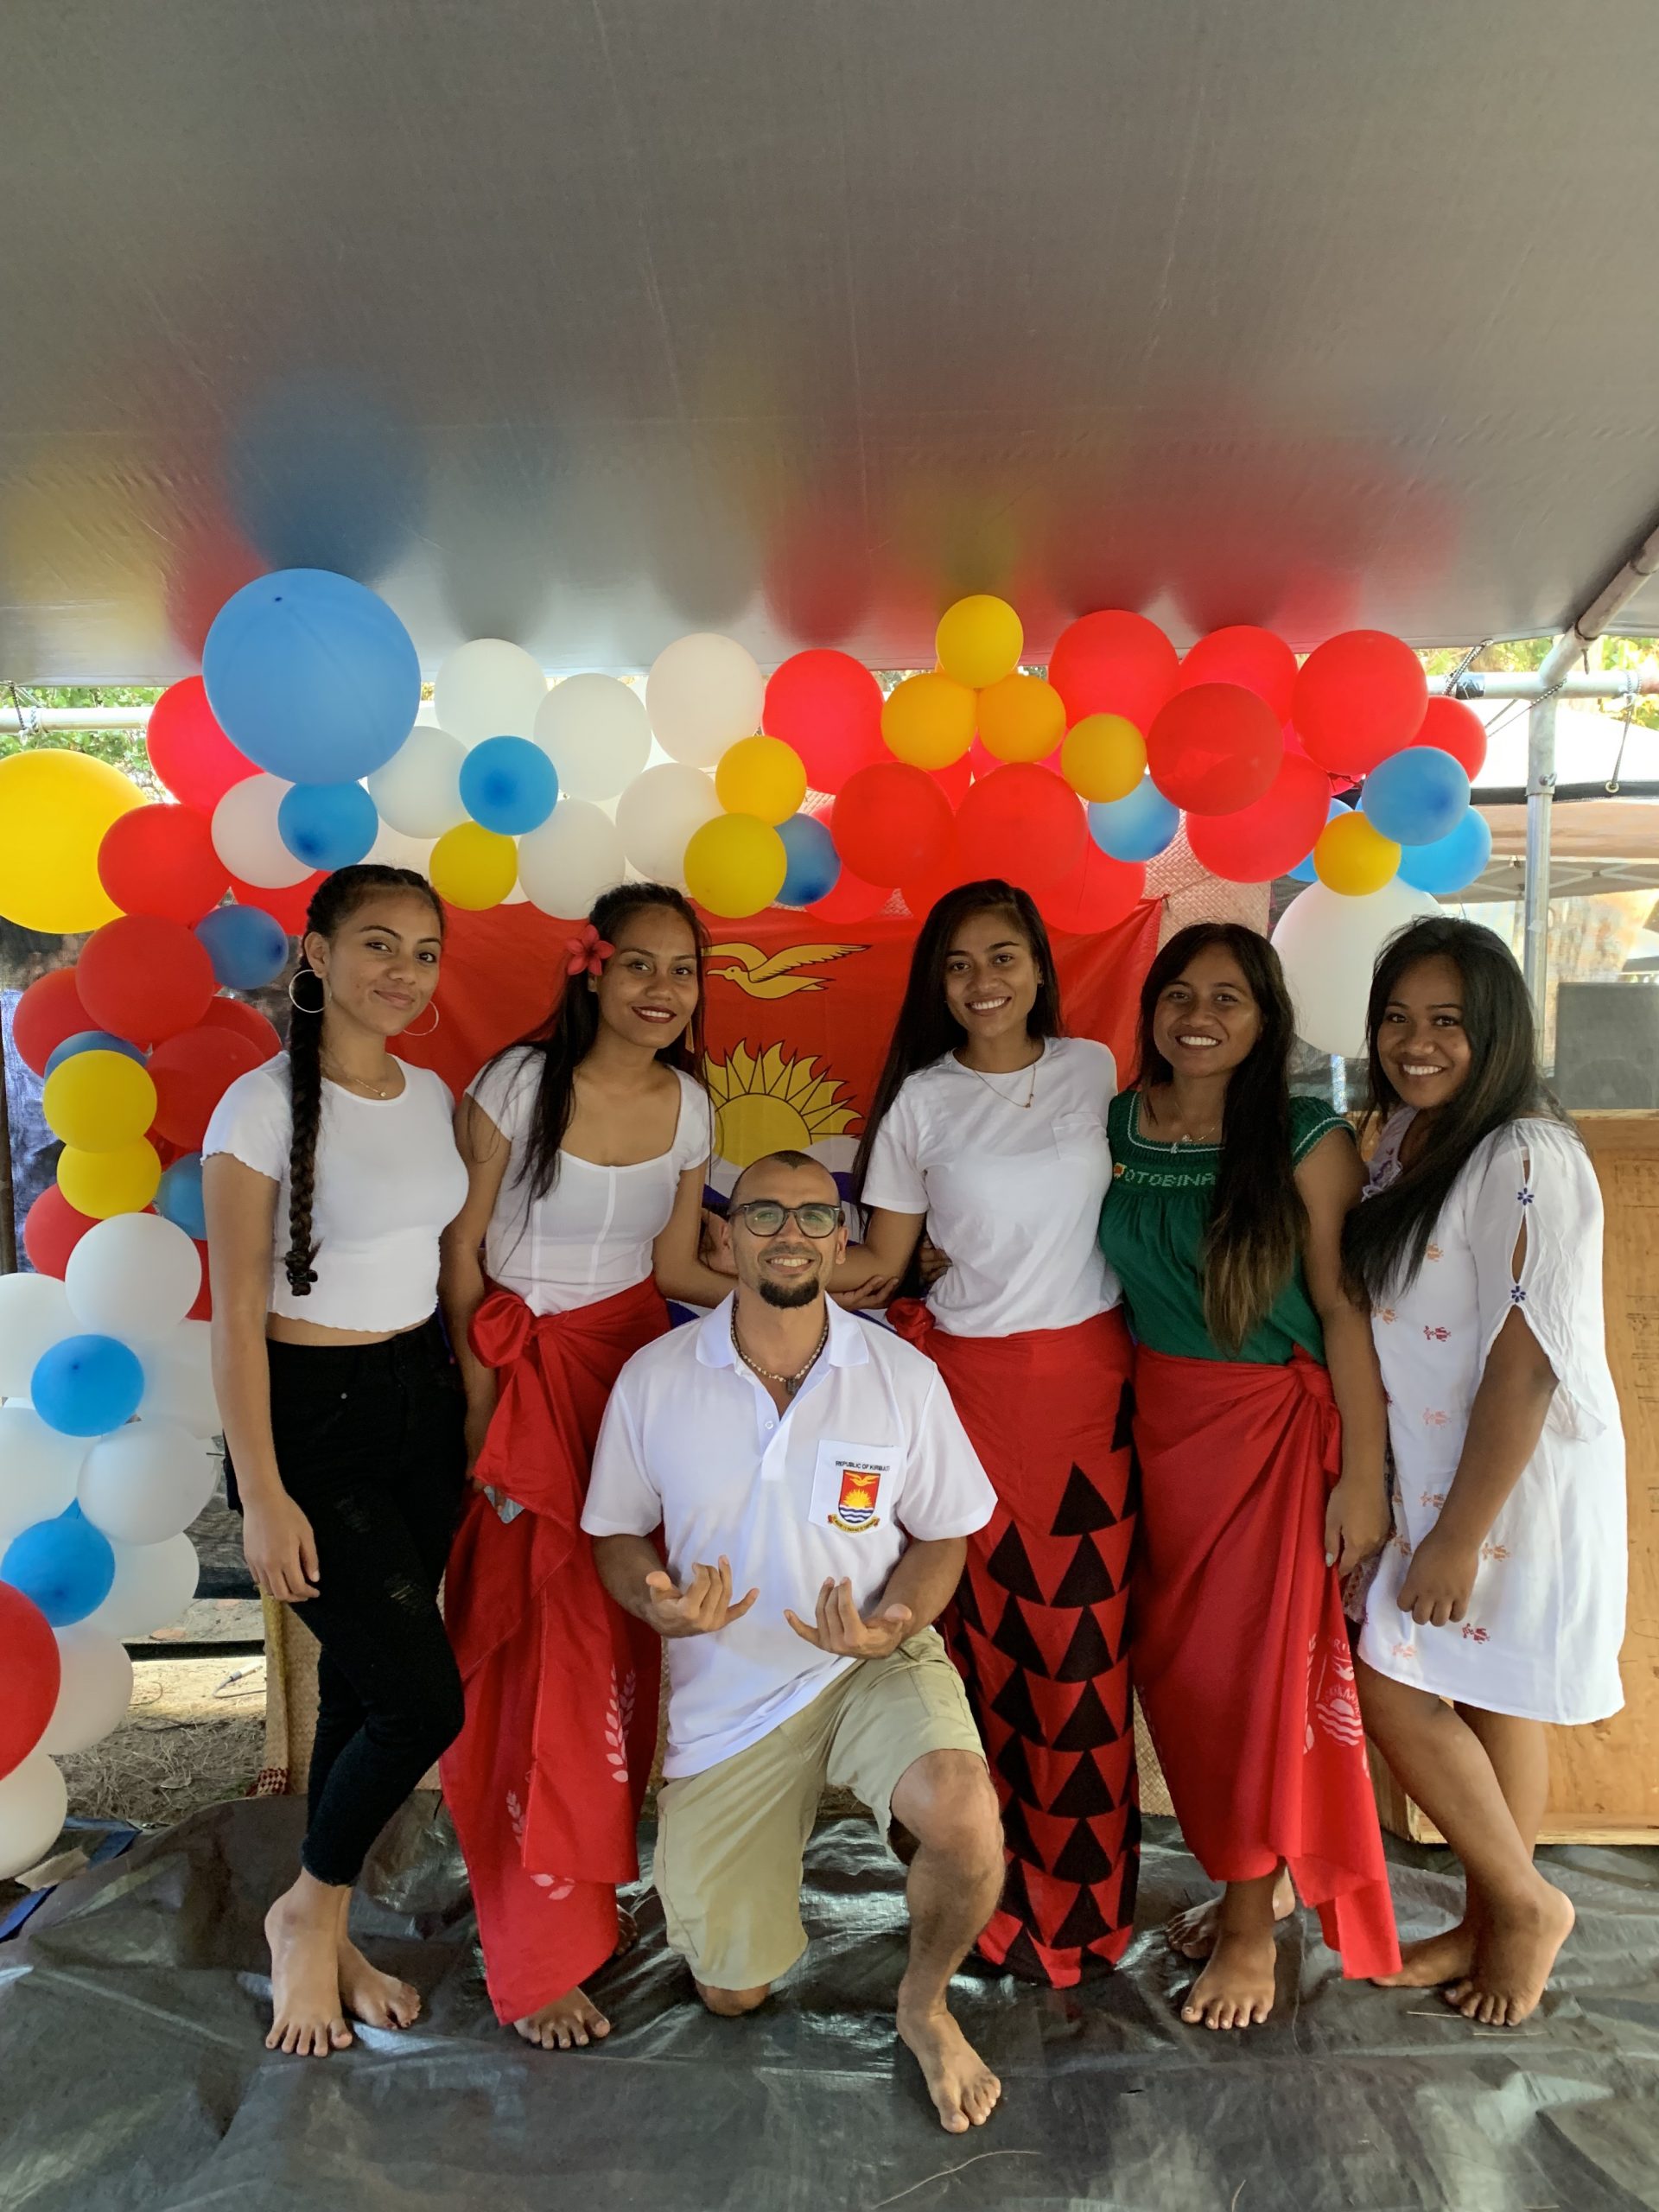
587, 952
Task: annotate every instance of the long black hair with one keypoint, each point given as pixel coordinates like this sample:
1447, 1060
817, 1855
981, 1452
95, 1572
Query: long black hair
926, 1029
1386, 1238
333, 902
566, 1037
1256, 1217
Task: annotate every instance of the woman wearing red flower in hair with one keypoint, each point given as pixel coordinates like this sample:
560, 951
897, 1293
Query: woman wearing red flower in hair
586, 1147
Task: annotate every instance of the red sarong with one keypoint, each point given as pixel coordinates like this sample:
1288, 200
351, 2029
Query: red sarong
1039, 1631
1241, 1651
546, 1780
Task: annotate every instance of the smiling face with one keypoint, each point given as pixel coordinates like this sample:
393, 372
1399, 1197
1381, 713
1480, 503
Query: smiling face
790, 1268
380, 967
1206, 1021
990, 977
648, 992
1420, 1038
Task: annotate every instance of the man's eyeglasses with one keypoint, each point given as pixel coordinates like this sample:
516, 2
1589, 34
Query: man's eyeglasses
766, 1216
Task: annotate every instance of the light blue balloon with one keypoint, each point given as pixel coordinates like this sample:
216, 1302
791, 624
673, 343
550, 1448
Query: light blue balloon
247, 946
66, 1565
1451, 862
1416, 796
509, 786
1137, 828
814, 868
312, 677
328, 826
91, 1040
86, 1386
178, 1199
1304, 870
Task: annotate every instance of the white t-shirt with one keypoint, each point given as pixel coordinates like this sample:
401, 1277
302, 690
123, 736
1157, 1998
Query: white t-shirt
1013, 1194
591, 1236
388, 1180
870, 1451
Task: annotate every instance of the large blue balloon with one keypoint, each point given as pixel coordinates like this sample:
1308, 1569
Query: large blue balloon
247, 946
178, 1199
509, 786
312, 677
328, 826
1416, 796
813, 866
1304, 871
90, 1041
66, 1565
1137, 828
87, 1385
1451, 862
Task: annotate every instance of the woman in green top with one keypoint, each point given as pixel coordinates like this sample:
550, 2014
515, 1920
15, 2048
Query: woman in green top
1260, 1427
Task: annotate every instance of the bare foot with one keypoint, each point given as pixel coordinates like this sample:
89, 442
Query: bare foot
963, 2086
1514, 1955
1446, 1957
378, 2000
308, 2020
573, 2019
1193, 1932
1235, 1989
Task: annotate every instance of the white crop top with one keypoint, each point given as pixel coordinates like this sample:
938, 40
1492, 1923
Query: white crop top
388, 1180
591, 1236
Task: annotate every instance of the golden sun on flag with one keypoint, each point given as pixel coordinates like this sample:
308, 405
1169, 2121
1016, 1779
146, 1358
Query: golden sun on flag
771, 1105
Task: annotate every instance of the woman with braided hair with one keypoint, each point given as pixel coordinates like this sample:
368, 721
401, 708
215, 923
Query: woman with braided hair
330, 1173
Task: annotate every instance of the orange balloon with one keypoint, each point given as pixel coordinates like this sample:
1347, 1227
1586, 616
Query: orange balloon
1022, 718
928, 720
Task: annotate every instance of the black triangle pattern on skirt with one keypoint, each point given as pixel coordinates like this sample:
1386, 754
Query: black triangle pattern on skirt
1084, 1924
1088, 1580
1016, 1897
967, 1605
1009, 1565
1083, 1792
1084, 1858
1014, 1704
1087, 1655
1013, 1638
1089, 1726
1014, 1768
1021, 1960
1082, 1508
1123, 1426
1016, 1834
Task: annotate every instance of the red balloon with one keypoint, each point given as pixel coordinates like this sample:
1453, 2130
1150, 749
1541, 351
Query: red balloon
191, 1072
852, 900
243, 1021
1114, 664
984, 762
189, 750
1359, 698
954, 781
33, 1672
1269, 838
923, 892
145, 979
1024, 824
889, 822
1255, 659
287, 905
828, 706
1098, 894
159, 860
1456, 730
52, 1231
1215, 748
48, 1011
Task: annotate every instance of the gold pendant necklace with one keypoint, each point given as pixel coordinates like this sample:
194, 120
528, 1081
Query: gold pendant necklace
792, 1383
1019, 1105
338, 1074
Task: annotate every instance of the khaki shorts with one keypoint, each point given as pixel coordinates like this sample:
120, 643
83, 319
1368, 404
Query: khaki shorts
730, 1840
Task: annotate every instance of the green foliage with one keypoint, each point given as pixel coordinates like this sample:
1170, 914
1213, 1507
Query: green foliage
122, 748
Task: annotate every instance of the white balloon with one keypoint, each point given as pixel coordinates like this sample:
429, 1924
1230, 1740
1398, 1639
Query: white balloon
34, 1314
1327, 944
418, 790
39, 1470
153, 1585
179, 1379
34, 1802
488, 689
95, 1691
147, 1482
576, 854
134, 1276
595, 731
246, 838
657, 814
391, 848
703, 693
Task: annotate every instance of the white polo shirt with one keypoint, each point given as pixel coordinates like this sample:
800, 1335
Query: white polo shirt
870, 1452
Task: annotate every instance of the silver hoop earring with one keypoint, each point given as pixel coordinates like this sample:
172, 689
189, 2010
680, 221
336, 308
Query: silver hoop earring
437, 1018
321, 982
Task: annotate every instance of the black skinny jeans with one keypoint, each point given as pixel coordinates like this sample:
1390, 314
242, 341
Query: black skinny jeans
371, 1446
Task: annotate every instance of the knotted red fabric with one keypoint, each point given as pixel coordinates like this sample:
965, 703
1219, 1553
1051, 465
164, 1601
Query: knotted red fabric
1241, 1652
545, 1782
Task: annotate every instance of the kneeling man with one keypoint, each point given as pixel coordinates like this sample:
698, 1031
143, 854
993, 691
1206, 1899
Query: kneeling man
814, 1462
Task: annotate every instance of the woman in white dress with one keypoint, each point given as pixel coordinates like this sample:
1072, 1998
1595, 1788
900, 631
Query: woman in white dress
1502, 1592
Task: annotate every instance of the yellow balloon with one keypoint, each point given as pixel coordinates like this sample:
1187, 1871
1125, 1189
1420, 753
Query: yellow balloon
979, 639
929, 720
735, 865
100, 1101
104, 1183
54, 807
761, 776
472, 866
1105, 756
1353, 858
1022, 718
